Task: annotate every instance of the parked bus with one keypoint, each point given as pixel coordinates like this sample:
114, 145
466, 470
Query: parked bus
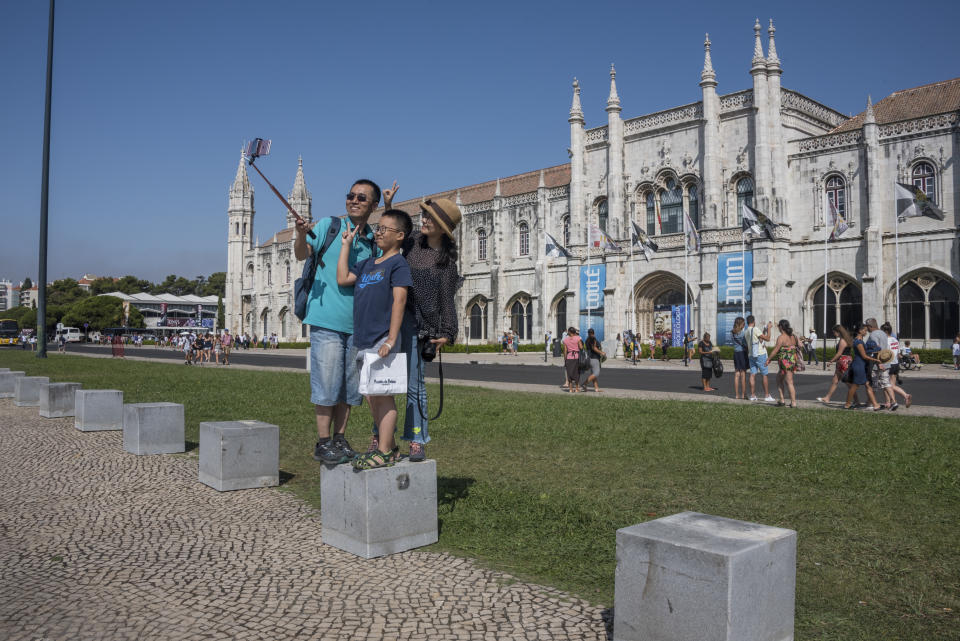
9, 332
70, 334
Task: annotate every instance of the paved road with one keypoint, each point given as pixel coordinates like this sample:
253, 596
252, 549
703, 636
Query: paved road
930, 391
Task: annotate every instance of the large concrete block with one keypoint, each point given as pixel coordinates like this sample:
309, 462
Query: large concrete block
99, 410
26, 393
382, 511
4, 369
8, 383
153, 428
239, 455
696, 576
58, 399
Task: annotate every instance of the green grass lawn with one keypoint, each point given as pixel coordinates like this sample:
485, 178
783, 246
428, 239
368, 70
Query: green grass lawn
537, 485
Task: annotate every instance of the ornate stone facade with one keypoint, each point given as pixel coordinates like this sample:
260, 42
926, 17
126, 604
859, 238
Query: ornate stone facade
774, 148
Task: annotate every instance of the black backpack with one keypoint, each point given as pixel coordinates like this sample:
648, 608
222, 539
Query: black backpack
303, 285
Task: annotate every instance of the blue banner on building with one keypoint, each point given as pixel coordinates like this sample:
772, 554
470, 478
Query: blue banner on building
678, 317
734, 273
593, 278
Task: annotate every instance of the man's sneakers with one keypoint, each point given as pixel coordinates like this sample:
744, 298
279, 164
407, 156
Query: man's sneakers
770, 399
417, 454
753, 399
335, 451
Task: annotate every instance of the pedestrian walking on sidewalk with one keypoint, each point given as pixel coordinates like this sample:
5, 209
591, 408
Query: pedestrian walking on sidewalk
705, 350
572, 345
787, 352
596, 356
741, 363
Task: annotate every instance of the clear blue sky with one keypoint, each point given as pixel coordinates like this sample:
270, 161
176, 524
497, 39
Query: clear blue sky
153, 99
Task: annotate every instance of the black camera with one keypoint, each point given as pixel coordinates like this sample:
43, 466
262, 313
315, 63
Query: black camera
428, 349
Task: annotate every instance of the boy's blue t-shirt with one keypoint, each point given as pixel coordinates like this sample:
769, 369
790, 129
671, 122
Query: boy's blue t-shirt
373, 297
331, 306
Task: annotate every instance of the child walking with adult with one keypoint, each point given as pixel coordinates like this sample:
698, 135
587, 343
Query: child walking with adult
379, 307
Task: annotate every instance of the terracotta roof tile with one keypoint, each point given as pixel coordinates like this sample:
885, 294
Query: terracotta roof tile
509, 186
282, 236
927, 100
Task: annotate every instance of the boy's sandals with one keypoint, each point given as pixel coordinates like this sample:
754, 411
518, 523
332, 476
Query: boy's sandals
375, 459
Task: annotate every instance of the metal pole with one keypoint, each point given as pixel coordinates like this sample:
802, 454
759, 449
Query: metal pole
743, 268
896, 243
543, 301
826, 242
44, 198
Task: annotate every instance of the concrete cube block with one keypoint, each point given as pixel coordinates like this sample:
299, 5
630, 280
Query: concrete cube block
382, 511
26, 393
58, 399
696, 576
4, 369
153, 428
99, 410
239, 455
8, 383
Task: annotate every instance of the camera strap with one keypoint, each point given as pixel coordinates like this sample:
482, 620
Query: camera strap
423, 415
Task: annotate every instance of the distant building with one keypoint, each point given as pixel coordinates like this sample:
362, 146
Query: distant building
9, 295
28, 297
766, 146
169, 314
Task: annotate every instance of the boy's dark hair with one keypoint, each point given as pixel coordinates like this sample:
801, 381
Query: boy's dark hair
374, 186
750, 319
402, 219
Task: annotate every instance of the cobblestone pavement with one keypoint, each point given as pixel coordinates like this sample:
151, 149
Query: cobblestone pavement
99, 544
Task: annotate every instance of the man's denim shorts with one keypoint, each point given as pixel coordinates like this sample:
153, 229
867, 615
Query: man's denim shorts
333, 371
758, 364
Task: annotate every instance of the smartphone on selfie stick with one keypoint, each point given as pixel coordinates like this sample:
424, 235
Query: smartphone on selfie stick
260, 147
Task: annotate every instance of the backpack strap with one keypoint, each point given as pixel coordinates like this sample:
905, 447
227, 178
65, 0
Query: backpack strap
332, 232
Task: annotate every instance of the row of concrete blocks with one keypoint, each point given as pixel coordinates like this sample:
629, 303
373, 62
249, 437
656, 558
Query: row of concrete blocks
682, 577
370, 514
234, 455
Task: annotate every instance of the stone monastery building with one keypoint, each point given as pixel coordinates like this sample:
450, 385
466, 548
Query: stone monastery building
768, 146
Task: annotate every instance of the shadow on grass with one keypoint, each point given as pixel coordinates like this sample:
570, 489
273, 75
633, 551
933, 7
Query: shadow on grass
450, 490
607, 615
286, 477
190, 446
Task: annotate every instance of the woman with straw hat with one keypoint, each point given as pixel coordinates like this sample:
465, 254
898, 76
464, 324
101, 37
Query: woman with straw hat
432, 256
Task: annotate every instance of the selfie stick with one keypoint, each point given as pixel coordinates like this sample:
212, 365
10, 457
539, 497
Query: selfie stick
260, 147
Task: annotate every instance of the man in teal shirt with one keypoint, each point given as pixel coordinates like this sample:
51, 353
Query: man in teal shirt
333, 372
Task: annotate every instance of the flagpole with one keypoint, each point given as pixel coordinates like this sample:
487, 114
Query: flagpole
633, 304
896, 244
826, 245
543, 300
686, 266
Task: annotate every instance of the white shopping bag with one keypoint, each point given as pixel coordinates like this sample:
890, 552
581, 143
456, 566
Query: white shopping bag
382, 376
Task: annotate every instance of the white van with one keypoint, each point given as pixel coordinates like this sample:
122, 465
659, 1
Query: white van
70, 334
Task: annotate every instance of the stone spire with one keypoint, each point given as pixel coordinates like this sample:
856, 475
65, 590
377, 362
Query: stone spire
459, 201
758, 58
576, 111
542, 182
707, 75
868, 117
299, 197
772, 58
496, 194
613, 101
241, 183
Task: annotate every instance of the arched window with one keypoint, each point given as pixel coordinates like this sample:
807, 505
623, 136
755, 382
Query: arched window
925, 179
521, 321
671, 209
837, 195
561, 317
478, 321
694, 206
269, 275
912, 323
248, 280
944, 316
603, 214
303, 330
481, 244
288, 272
236, 228
523, 233
847, 310
566, 231
244, 229
651, 215
744, 196
929, 301
263, 317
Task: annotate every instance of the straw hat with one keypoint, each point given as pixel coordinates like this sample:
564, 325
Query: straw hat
443, 212
885, 355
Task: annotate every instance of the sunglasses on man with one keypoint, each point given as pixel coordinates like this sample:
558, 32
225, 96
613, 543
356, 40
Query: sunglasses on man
360, 198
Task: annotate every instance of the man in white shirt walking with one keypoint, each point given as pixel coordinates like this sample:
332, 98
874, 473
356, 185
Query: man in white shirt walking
812, 347
756, 338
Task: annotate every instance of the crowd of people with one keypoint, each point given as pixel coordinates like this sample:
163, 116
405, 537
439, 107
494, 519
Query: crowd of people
868, 358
